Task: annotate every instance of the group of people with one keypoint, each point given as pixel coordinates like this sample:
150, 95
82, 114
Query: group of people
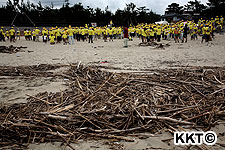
146, 32
180, 30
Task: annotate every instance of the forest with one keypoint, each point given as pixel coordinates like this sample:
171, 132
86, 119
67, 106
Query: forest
24, 13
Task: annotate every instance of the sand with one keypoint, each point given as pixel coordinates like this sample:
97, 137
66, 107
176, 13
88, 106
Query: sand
110, 54
192, 53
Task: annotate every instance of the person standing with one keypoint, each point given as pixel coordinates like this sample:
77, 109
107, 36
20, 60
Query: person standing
90, 35
34, 35
176, 35
52, 39
12, 34
185, 33
37, 32
159, 32
29, 35
70, 36
7, 34
18, 34
125, 33
1, 34
45, 35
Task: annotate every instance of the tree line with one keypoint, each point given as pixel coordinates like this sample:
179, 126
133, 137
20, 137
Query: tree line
75, 15
211, 9
78, 15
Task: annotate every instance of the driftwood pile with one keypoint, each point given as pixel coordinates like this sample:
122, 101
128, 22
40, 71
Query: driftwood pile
11, 49
155, 45
41, 70
111, 105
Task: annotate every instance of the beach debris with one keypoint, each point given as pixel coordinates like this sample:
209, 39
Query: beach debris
104, 62
40, 70
101, 104
155, 45
11, 49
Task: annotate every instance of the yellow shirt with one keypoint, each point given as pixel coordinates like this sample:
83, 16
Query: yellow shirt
37, 31
58, 33
64, 36
44, 32
152, 33
25, 33
34, 33
207, 30
90, 32
12, 32
83, 32
52, 39
143, 33
159, 31
110, 32
204, 30
70, 32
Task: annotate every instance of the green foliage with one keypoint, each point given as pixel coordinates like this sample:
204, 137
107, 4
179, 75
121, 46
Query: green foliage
75, 15
174, 8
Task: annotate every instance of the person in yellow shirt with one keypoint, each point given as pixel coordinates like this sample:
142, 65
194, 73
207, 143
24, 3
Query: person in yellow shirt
7, 34
34, 35
119, 32
221, 20
115, 33
25, 32
65, 38
52, 39
143, 35
159, 32
90, 35
148, 34
152, 34
37, 33
12, 34
58, 35
110, 31
70, 35
2, 38
44, 35
105, 35
203, 34
86, 33
217, 20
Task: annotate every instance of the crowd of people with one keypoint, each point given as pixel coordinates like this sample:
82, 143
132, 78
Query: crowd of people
178, 32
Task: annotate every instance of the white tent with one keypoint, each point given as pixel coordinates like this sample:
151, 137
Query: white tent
161, 22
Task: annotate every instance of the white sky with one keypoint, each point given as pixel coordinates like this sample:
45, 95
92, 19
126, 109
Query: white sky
157, 6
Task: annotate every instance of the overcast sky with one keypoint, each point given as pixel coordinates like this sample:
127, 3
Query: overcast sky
157, 6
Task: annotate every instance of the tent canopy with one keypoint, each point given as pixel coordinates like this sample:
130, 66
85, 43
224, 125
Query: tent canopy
161, 22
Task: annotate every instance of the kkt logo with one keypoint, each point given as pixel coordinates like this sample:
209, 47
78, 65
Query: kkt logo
195, 138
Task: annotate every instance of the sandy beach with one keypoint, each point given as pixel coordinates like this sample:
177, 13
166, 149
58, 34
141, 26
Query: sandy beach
112, 55
134, 57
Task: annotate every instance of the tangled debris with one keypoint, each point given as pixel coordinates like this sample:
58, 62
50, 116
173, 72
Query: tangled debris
102, 104
11, 49
42, 70
155, 45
